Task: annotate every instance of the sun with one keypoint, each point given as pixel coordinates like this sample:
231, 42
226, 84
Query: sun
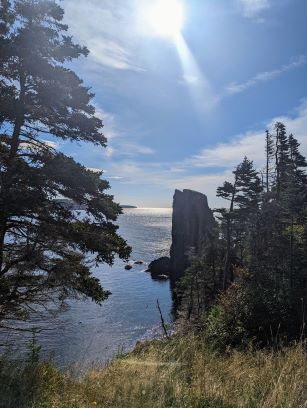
166, 17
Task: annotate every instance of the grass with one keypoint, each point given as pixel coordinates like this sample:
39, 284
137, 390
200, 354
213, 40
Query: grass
179, 372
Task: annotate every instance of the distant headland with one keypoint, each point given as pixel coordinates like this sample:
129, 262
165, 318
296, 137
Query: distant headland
128, 206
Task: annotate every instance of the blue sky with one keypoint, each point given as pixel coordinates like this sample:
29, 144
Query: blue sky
183, 117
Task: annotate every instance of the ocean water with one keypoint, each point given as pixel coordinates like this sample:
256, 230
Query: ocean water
88, 333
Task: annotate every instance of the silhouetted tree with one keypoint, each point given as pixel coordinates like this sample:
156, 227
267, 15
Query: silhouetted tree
269, 152
261, 251
244, 195
43, 245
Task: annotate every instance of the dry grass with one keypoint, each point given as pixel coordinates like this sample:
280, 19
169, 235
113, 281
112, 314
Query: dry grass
179, 373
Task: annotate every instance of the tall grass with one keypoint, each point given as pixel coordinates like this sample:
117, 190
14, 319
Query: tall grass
179, 372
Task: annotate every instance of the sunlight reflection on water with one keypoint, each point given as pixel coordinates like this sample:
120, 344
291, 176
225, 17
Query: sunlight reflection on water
88, 332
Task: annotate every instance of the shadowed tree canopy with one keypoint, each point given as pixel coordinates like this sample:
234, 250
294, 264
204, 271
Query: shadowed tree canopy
249, 286
43, 245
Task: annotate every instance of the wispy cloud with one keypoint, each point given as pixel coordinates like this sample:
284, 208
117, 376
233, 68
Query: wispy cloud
135, 149
94, 169
120, 148
251, 143
109, 122
110, 54
229, 154
253, 8
120, 144
114, 177
51, 143
191, 172
105, 28
236, 87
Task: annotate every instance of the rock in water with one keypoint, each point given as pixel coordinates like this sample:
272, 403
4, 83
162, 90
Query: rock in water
159, 268
192, 225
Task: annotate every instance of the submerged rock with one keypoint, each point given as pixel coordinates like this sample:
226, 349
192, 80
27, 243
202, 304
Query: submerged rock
128, 267
161, 277
159, 269
192, 226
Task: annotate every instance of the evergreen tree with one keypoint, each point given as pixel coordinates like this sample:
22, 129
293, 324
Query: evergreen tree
43, 245
269, 153
297, 160
261, 252
244, 195
249, 188
282, 159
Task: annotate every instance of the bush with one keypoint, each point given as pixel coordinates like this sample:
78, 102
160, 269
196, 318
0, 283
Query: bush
254, 313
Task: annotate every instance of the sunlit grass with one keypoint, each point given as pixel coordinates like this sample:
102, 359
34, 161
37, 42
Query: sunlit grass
178, 372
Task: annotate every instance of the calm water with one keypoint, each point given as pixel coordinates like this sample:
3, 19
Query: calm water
87, 332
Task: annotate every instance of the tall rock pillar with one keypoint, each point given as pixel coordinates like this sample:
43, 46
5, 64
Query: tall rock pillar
193, 222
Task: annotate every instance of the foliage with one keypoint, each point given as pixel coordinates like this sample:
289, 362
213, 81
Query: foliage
43, 244
33, 349
258, 292
180, 372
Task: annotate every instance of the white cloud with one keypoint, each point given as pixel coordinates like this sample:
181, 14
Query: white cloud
135, 149
236, 87
109, 151
109, 122
37, 145
121, 148
115, 177
109, 53
229, 154
95, 170
251, 143
105, 28
296, 125
253, 8
52, 144
224, 156
117, 139
161, 176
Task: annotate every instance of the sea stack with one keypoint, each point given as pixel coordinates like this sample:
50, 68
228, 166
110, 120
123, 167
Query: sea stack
192, 225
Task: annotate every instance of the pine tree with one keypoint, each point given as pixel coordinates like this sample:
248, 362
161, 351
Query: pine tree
249, 187
269, 153
298, 161
244, 196
263, 240
282, 159
43, 245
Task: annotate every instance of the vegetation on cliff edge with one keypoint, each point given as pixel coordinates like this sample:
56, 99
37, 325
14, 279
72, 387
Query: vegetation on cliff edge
179, 372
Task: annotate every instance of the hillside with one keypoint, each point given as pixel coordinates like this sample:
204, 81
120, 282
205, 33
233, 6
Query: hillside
178, 373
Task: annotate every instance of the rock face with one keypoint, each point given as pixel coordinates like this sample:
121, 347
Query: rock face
159, 268
192, 226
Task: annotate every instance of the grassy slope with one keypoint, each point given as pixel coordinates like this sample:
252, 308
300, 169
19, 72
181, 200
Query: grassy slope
175, 373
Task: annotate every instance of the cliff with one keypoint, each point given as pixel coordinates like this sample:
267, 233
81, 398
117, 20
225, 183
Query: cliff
192, 224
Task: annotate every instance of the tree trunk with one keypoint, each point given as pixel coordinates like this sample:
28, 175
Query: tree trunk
267, 160
6, 179
227, 264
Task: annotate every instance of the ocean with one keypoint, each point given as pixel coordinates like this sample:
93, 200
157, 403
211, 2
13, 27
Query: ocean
88, 333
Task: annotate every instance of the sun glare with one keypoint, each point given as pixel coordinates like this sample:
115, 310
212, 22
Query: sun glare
166, 17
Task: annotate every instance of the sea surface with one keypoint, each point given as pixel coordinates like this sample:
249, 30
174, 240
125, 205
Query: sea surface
87, 333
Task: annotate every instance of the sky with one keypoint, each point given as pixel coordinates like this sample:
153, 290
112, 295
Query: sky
180, 111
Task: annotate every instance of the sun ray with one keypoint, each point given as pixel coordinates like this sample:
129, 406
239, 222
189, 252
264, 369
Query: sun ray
165, 18
199, 86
